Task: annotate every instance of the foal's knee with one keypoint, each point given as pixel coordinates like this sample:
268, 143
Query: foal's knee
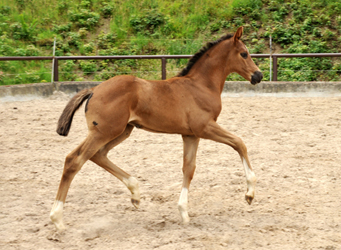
188, 169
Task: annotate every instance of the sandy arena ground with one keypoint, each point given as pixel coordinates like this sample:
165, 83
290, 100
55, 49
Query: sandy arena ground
294, 146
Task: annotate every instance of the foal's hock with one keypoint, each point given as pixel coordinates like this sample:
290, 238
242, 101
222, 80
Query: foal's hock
187, 104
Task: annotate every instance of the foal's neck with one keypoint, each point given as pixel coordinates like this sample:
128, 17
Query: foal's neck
212, 69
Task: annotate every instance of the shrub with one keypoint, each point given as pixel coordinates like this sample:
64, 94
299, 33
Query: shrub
106, 41
247, 4
328, 35
89, 48
62, 7
23, 30
88, 67
73, 39
302, 12
5, 48
83, 32
29, 51
5, 10
20, 5
104, 75
62, 47
67, 71
107, 10
86, 4
84, 18
147, 22
62, 29
32, 78
285, 34
305, 69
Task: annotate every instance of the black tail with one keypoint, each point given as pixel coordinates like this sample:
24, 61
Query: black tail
65, 120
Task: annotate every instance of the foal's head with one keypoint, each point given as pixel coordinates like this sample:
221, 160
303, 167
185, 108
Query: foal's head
241, 61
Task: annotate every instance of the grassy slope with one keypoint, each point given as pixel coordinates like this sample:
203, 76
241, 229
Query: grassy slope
136, 27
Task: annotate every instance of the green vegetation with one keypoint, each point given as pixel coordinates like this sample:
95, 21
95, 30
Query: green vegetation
150, 27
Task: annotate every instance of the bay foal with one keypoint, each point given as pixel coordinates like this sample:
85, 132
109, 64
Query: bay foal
188, 104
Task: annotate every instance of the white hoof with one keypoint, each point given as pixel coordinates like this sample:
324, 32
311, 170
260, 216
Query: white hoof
183, 213
56, 215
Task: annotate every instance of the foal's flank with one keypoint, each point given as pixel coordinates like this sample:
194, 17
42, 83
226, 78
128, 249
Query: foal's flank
187, 104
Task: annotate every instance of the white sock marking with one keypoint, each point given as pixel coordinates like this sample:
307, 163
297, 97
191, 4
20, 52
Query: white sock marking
56, 214
183, 200
133, 185
182, 205
250, 177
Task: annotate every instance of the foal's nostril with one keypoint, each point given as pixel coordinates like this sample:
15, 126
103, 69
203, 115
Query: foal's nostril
259, 75
256, 77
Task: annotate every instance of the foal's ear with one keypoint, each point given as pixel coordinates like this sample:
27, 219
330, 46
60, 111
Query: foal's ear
238, 34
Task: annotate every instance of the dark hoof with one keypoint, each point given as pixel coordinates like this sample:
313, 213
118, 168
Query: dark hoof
248, 199
136, 203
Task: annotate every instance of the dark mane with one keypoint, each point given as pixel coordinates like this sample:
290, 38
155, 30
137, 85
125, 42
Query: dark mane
200, 53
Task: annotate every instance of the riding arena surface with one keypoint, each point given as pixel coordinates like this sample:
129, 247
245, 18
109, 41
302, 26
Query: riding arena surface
294, 146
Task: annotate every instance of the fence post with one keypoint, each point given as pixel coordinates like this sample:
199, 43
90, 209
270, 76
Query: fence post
53, 54
274, 67
55, 70
163, 68
270, 64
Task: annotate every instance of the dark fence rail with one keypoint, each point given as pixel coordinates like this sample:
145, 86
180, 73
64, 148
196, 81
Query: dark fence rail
163, 59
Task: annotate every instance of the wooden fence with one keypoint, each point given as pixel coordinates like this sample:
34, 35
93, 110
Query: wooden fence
163, 59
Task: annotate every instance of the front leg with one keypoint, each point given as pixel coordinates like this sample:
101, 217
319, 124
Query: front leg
190, 151
214, 132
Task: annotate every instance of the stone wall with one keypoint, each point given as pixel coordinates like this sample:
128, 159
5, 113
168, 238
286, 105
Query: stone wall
47, 89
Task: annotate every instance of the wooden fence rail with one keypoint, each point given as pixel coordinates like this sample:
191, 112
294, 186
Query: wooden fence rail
163, 59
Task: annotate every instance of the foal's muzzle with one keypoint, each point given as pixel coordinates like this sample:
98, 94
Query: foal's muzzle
256, 77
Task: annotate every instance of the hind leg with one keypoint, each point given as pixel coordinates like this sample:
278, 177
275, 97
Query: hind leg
101, 159
73, 163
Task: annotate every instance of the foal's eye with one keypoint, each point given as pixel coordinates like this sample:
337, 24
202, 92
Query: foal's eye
244, 55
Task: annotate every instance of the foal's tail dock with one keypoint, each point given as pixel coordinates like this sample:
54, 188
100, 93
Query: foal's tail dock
65, 120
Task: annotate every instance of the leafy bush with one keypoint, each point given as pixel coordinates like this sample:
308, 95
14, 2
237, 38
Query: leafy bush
62, 47
285, 34
32, 77
5, 10
29, 51
5, 48
305, 69
104, 75
87, 4
247, 4
106, 41
88, 67
107, 10
73, 39
328, 35
67, 71
62, 29
83, 32
20, 5
23, 30
89, 48
62, 7
147, 22
84, 18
